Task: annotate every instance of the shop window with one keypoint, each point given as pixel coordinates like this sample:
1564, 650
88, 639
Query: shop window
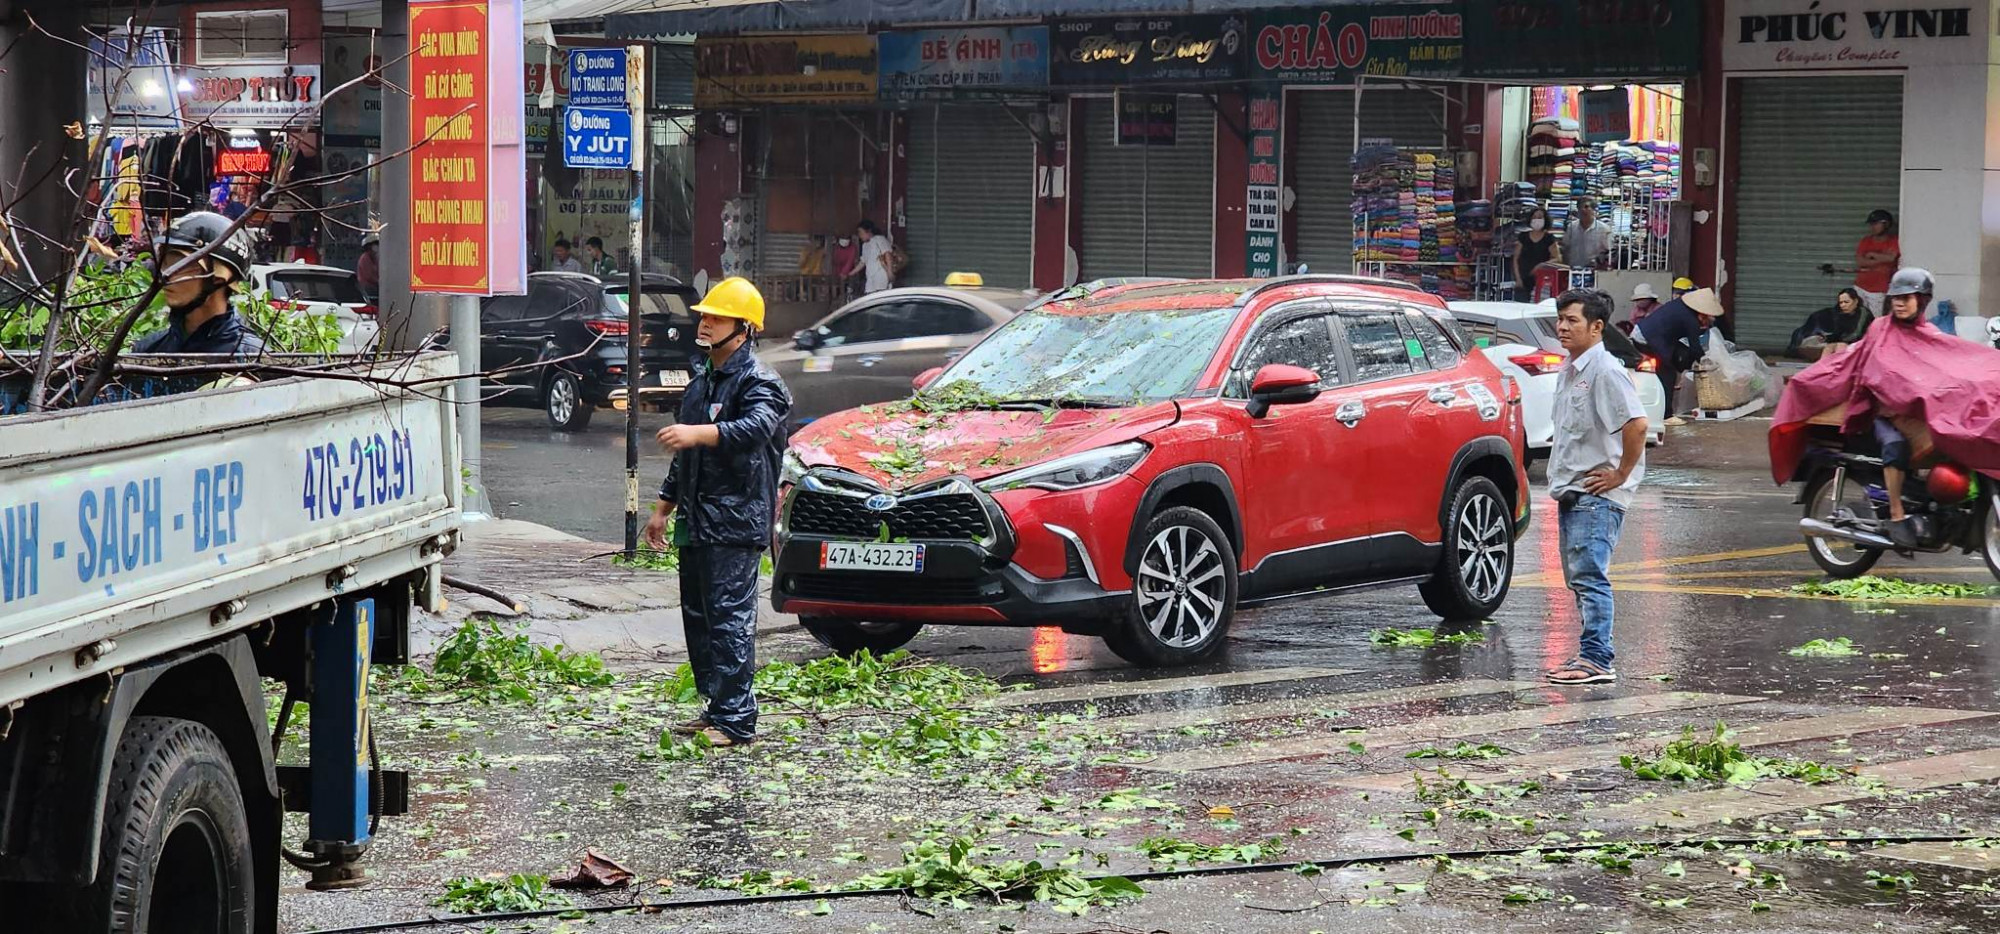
242, 37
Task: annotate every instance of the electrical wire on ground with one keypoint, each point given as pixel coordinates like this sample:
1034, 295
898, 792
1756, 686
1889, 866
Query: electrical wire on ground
1185, 872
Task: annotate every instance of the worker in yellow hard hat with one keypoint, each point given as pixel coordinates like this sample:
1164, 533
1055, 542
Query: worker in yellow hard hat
722, 492
1682, 286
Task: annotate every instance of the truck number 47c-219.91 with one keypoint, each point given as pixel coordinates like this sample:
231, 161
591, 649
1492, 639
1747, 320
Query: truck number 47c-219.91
373, 472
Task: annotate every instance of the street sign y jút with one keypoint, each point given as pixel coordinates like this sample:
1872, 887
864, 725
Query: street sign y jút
597, 138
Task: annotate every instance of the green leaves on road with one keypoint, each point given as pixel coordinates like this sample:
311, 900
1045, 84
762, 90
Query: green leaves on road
1423, 638
1720, 758
1461, 751
1870, 587
952, 872
483, 662
1842, 647
1173, 851
517, 892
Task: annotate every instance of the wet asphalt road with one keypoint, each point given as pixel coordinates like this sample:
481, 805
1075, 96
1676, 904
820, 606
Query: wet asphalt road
1310, 749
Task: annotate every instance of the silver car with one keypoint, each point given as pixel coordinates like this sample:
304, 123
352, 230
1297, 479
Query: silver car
875, 346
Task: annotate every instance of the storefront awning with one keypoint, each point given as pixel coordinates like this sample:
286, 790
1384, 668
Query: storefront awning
658, 19
655, 19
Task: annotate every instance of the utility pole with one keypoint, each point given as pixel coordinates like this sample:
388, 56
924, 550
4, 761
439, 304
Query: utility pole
635, 99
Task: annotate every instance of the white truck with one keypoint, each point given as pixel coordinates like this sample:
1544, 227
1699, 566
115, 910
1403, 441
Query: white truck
157, 558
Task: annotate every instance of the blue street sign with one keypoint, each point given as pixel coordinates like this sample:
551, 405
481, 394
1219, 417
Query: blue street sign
596, 138
596, 77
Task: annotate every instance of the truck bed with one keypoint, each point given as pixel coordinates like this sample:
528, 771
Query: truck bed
133, 529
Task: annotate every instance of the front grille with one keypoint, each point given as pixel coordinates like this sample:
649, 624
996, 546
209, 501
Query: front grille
900, 589
947, 517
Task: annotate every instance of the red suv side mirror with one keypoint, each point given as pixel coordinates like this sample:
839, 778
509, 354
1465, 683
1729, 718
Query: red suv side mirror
924, 379
1281, 384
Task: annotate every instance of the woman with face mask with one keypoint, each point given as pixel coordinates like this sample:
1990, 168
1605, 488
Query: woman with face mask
1535, 248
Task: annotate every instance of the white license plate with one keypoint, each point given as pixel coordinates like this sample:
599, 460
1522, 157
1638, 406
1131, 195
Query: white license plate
674, 379
871, 556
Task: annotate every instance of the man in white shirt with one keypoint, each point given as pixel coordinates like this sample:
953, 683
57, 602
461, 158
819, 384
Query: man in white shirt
564, 262
873, 260
1594, 471
1586, 240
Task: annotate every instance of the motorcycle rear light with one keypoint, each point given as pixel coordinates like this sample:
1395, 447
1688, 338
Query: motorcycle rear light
609, 327
1539, 364
1649, 363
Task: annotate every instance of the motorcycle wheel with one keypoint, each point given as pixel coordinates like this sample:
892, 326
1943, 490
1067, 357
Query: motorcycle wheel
1992, 534
1837, 558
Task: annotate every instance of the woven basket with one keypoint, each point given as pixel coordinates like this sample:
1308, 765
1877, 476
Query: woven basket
1713, 393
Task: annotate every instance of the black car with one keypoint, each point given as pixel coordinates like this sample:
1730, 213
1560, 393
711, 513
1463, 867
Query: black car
575, 327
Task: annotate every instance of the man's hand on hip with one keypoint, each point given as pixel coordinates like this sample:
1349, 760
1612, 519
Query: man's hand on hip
1603, 480
677, 438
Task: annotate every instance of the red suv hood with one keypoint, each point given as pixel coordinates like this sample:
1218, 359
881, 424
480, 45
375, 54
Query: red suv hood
900, 449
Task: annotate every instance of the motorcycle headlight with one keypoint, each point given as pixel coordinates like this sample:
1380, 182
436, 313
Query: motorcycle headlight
1074, 471
791, 469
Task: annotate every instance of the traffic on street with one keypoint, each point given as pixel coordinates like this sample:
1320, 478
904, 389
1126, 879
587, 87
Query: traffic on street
1062, 468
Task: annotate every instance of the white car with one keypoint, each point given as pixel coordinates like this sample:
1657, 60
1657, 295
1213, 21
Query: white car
1520, 339
322, 290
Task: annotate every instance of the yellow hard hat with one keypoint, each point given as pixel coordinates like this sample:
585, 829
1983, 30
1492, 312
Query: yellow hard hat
964, 280
734, 297
1684, 283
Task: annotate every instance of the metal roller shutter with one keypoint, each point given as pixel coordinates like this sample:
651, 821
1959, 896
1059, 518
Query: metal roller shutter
1147, 210
971, 200
1322, 181
1814, 156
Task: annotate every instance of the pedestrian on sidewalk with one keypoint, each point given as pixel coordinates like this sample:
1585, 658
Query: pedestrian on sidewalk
1594, 470
722, 492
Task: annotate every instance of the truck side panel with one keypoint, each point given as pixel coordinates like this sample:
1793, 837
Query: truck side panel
128, 531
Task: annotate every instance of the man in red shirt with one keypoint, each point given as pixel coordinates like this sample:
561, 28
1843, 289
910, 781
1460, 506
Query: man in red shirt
1876, 258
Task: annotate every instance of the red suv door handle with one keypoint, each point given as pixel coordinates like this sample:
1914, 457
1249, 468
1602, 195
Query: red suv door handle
1350, 413
1443, 396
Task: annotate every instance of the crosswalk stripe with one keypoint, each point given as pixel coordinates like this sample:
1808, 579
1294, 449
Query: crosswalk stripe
1696, 808
1941, 854
1103, 689
1750, 736
1438, 728
1297, 706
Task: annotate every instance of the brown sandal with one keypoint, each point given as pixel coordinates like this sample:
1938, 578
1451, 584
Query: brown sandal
1582, 671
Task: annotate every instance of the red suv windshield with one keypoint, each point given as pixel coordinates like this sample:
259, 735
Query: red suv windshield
1117, 357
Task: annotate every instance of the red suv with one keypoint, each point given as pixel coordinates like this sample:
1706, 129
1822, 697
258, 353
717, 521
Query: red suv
1137, 461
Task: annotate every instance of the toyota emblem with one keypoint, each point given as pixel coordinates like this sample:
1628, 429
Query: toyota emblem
880, 502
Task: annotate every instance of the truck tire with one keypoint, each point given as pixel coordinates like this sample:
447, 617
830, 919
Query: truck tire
176, 851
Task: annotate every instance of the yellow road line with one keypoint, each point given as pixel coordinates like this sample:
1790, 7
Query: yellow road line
1727, 575
1645, 586
1529, 580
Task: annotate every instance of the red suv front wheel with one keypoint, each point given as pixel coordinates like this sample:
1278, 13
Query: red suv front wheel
1183, 593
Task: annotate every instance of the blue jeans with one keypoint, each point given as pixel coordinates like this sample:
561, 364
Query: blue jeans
1589, 532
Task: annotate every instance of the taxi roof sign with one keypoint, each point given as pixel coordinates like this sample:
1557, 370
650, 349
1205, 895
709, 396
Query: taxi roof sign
964, 280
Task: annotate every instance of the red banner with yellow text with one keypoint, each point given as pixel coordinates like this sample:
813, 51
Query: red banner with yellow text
449, 116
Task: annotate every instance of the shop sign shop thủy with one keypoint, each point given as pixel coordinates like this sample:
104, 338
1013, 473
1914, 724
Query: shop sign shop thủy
964, 62
1762, 35
737, 72
266, 96
1147, 49
1333, 45
1579, 40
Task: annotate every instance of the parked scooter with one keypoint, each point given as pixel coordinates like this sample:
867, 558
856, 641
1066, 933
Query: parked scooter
1847, 508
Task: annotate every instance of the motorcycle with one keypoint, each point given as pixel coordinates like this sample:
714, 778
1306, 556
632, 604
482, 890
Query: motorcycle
1847, 508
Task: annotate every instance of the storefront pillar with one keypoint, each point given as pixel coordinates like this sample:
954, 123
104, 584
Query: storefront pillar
1052, 228
1232, 181
718, 178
